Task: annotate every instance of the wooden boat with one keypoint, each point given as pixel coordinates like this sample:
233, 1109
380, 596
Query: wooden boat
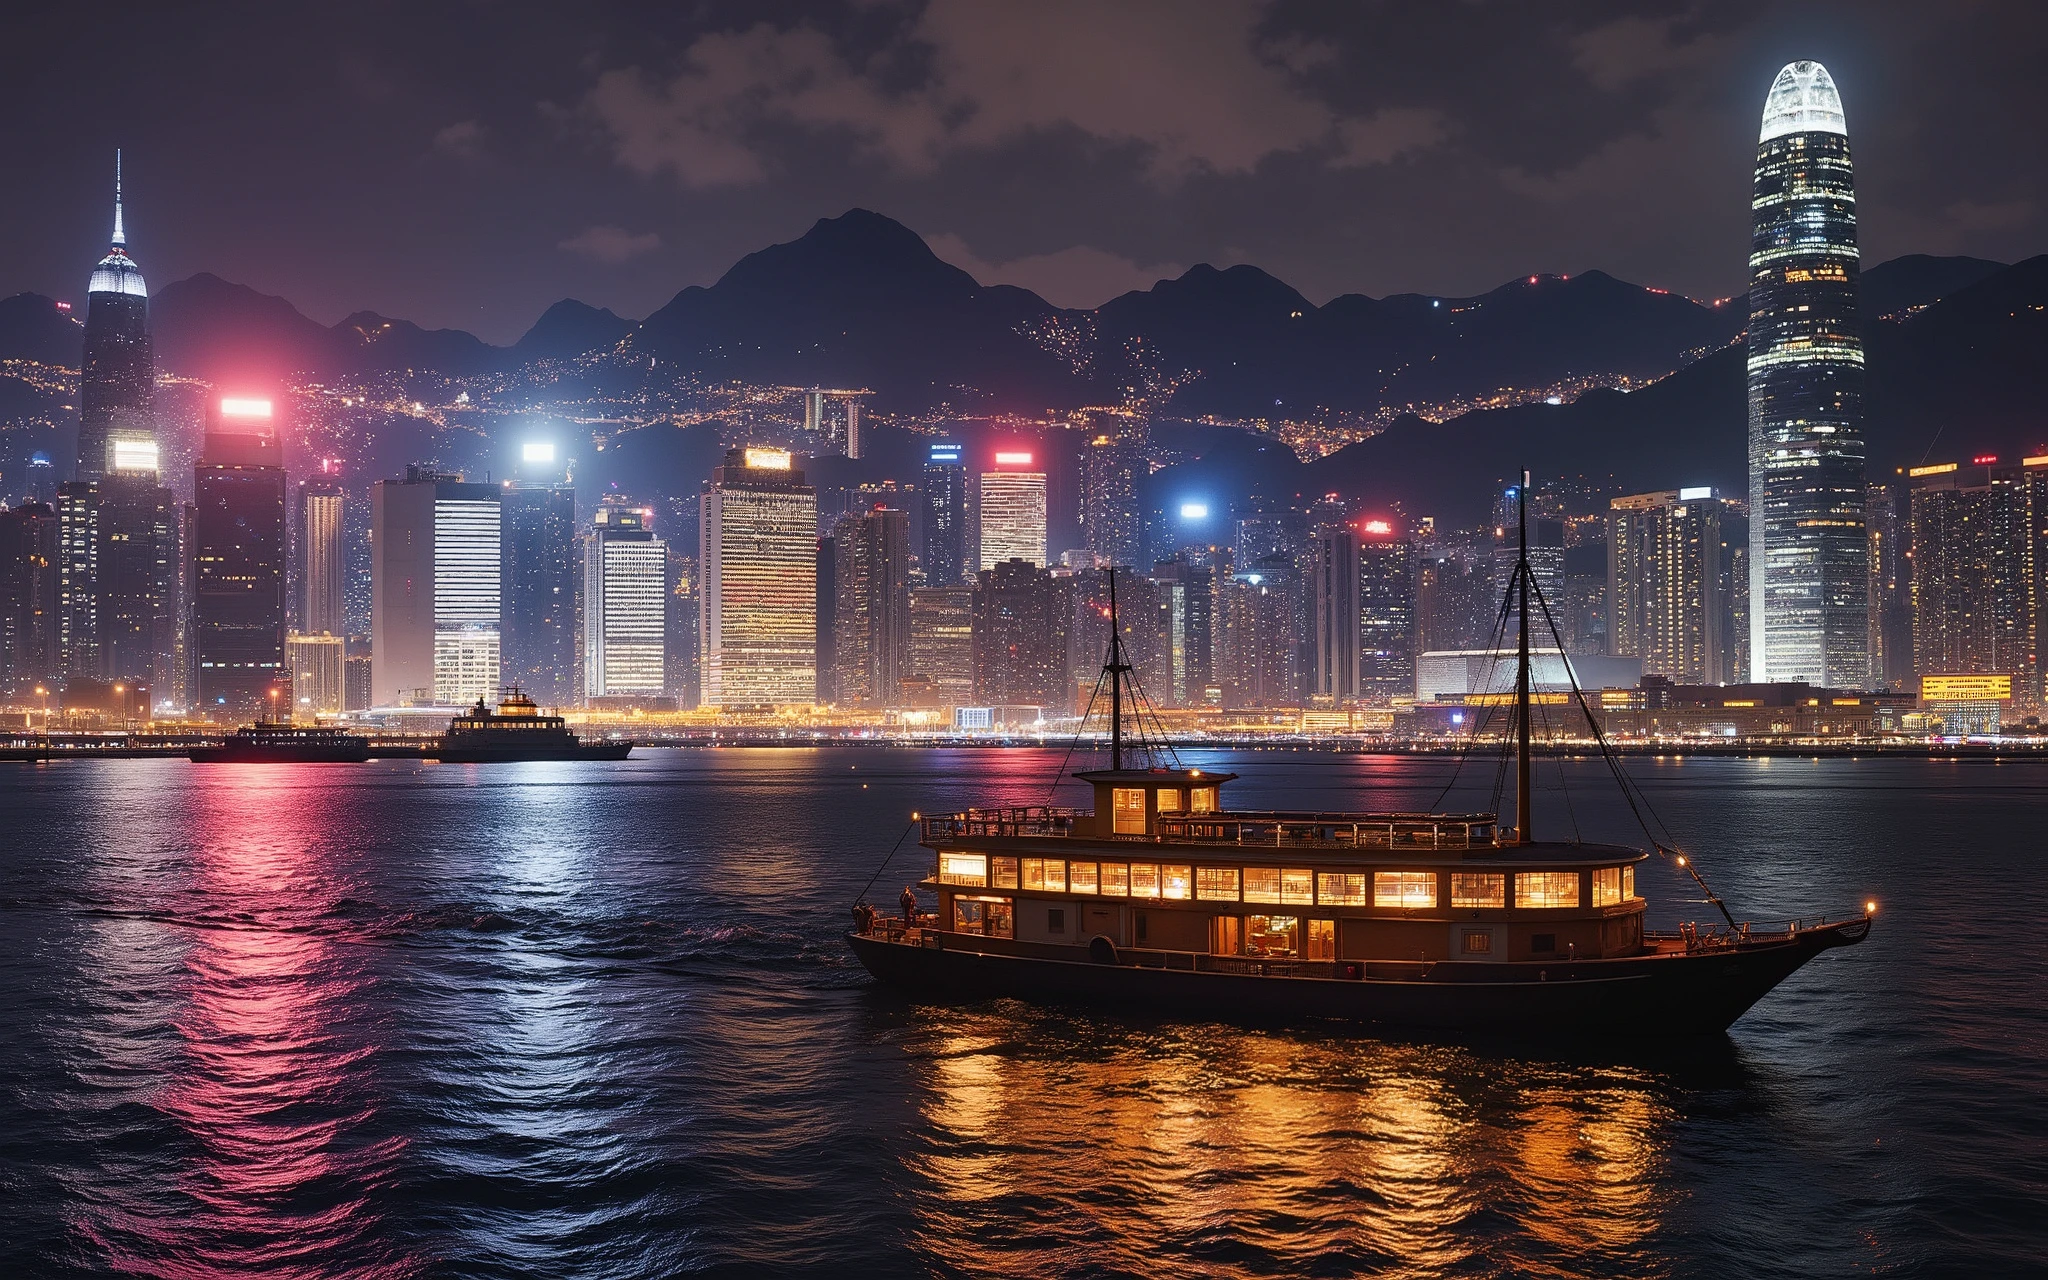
1163, 897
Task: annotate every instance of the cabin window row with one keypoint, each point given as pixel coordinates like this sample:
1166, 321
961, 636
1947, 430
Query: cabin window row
1283, 886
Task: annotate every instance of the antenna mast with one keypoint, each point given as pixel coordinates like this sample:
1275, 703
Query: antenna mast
1115, 669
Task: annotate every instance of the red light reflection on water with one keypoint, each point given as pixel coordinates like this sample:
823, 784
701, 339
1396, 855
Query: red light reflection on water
270, 1091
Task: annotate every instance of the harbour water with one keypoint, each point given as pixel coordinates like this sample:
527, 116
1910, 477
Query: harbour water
596, 1020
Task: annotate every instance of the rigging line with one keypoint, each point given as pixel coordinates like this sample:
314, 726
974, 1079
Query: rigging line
1144, 705
863, 894
1052, 787
1494, 640
1630, 790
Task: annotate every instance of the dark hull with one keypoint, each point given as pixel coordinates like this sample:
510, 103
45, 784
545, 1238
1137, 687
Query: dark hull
1657, 995
509, 755
231, 754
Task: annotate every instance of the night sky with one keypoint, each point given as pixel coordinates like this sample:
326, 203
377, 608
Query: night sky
467, 164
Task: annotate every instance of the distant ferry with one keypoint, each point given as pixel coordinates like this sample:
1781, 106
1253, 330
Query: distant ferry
1164, 896
284, 743
518, 731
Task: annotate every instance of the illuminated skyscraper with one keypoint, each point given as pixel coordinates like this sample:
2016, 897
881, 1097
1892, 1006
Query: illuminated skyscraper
1977, 534
323, 566
118, 380
541, 573
942, 643
758, 526
1010, 511
138, 571
1810, 555
78, 579
1386, 611
872, 597
28, 599
1022, 616
1334, 608
1664, 581
1111, 467
625, 606
436, 575
945, 526
238, 556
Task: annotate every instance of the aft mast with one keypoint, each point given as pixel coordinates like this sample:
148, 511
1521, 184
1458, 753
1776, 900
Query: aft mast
1523, 763
1115, 668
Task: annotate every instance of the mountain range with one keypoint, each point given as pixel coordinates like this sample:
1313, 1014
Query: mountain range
1955, 349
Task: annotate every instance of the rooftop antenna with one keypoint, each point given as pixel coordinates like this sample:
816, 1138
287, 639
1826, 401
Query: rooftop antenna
120, 235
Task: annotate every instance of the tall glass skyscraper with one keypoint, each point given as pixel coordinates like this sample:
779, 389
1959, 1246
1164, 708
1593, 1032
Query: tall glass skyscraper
119, 377
758, 602
1810, 552
945, 526
435, 570
625, 605
238, 554
540, 581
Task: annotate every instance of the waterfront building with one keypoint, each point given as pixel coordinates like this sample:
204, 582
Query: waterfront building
319, 671
1891, 592
871, 598
1010, 512
625, 605
945, 527
238, 555
78, 577
1387, 611
1976, 544
1022, 616
1260, 659
1334, 588
117, 381
323, 560
28, 599
758, 536
437, 589
137, 591
1187, 600
540, 571
1111, 468
942, 644
683, 643
1665, 578
1810, 553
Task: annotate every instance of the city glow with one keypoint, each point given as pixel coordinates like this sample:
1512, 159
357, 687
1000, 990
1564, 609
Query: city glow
242, 407
1194, 511
537, 451
1013, 459
768, 459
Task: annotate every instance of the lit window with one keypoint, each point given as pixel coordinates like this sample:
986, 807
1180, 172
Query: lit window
1203, 800
1478, 942
1297, 888
1216, 884
1478, 889
1546, 888
1129, 803
1322, 939
1628, 882
1607, 886
963, 868
1005, 872
1169, 800
1045, 874
1176, 882
1144, 880
1404, 888
1262, 884
1341, 889
1116, 880
1271, 935
1081, 877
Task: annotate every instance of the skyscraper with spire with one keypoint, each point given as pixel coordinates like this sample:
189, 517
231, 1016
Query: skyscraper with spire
1809, 581
119, 376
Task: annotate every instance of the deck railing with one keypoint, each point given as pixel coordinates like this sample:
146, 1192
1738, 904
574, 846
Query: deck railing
1256, 828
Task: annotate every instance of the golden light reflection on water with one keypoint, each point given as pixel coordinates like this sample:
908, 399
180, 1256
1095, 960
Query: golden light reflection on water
1217, 1151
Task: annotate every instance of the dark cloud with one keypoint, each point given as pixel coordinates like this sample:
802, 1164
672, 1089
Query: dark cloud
468, 164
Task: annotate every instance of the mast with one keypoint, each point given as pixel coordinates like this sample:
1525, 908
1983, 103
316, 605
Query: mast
1115, 669
1523, 770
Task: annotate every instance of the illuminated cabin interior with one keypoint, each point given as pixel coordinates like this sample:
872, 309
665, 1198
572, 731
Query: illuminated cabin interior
1162, 865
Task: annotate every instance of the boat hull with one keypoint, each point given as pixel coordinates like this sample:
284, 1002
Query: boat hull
1677, 994
355, 754
510, 755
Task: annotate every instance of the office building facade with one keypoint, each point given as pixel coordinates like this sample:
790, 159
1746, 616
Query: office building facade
945, 525
1334, 581
625, 606
238, 555
941, 664
1665, 581
28, 600
323, 561
1387, 623
1977, 542
1010, 512
541, 572
1112, 467
1809, 549
117, 382
871, 590
758, 598
436, 576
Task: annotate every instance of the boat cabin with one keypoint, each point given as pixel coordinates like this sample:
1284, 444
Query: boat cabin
1163, 864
